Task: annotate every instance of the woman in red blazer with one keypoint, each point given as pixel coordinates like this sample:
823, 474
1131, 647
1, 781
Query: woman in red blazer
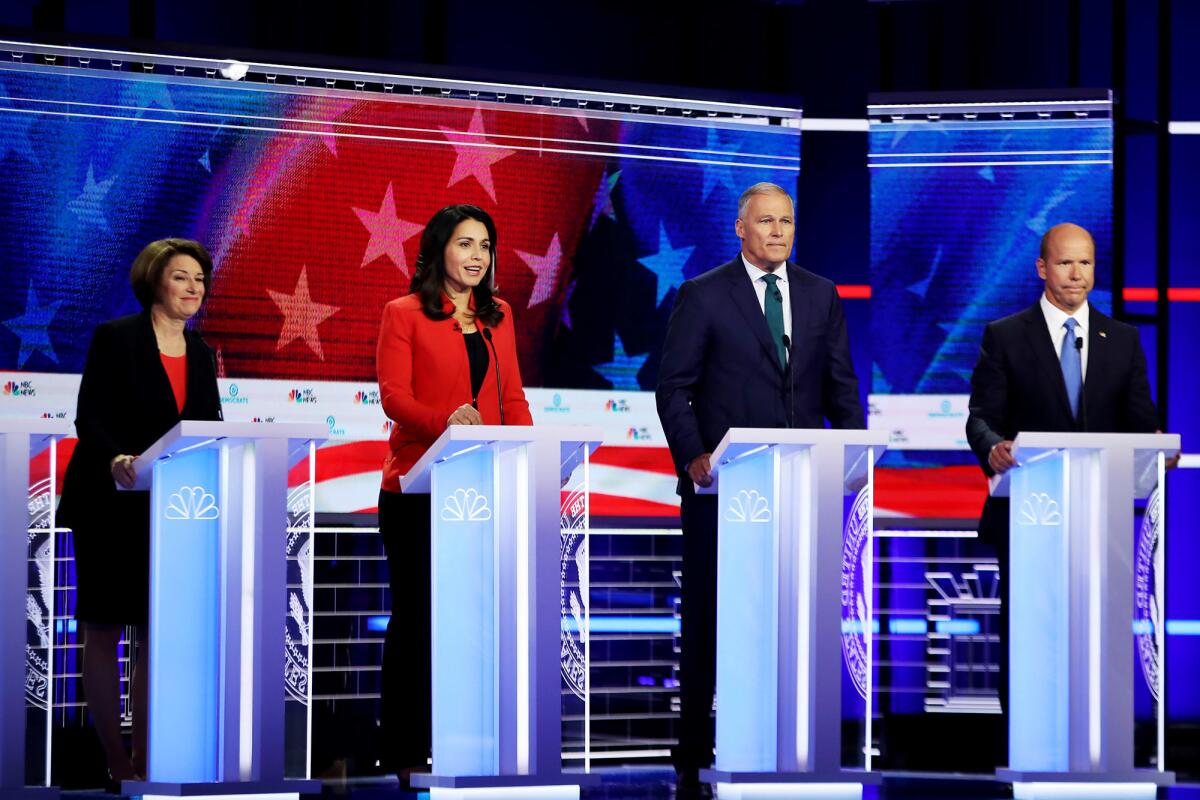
446, 356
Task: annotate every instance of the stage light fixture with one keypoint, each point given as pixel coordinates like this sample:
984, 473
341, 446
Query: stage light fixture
235, 70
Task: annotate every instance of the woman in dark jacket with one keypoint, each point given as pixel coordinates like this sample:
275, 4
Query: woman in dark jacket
144, 372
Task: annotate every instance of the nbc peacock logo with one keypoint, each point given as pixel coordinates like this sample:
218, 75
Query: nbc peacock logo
617, 406
302, 396
387, 426
367, 398
20, 389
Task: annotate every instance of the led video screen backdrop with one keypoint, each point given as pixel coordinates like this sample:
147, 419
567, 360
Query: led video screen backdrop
312, 203
957, 212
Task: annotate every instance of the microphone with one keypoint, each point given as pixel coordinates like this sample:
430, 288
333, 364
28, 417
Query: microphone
487, 334
791, 409
1082, 388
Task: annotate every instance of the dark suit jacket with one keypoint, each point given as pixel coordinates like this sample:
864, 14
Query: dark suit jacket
720, 368
1018, 386
125, 404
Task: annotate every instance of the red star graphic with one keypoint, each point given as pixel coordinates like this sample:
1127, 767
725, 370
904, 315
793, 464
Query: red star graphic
388, 232
475, 155
545, 269
301, 316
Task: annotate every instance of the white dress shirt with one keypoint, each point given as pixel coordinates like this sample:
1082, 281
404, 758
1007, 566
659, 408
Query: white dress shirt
760, 288
1055, 317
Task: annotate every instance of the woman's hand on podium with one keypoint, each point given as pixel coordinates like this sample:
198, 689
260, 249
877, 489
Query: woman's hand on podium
466, 414
123, 471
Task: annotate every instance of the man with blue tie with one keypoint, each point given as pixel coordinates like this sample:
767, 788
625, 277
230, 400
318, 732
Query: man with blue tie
1059, 365
756, 343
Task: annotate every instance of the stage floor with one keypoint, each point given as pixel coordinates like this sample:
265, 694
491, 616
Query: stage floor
658, 783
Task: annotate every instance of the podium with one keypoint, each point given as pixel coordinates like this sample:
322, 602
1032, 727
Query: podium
496, 627
1071, 709
780, 576
218, 496
16, 438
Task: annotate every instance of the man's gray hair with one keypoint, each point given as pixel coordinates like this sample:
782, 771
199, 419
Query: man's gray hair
761, 188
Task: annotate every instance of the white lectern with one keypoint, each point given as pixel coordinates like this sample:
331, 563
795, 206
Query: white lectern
779, 606
16, 438
496, 526
1071, 657
217, 605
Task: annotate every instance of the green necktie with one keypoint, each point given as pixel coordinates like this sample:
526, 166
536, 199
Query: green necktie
773, 308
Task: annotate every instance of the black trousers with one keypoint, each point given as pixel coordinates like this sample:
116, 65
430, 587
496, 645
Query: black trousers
406, 720
698, 652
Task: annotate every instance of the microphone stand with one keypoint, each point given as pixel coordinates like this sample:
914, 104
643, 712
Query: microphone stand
487, 334
787, 375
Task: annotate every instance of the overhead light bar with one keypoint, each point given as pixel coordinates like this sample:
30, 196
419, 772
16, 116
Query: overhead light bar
79, 58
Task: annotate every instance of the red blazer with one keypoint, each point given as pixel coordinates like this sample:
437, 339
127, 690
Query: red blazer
424, 375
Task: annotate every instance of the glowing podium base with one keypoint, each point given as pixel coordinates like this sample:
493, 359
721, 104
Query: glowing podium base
1070, 710
779, 608
497, 532
16, 438
218, 495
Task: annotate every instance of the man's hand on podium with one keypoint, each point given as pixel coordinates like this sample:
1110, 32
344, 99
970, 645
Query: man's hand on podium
123, 471
1173, 461
699, 469
1000, 457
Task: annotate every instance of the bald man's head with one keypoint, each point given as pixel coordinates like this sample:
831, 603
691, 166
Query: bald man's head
1068, 266
1063, 230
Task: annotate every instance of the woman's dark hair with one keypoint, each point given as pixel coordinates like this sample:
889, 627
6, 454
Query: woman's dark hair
146, 274
430, 274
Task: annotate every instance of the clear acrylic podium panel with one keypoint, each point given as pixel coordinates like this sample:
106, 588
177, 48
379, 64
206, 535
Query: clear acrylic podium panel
785, 713
1079, 566
219, 537
497, 506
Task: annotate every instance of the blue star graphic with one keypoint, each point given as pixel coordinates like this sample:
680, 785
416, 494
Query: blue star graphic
602, 203
206, 161
921, 287
145, 92
33, 328
623, 370
716, 174
89, 206
667, 264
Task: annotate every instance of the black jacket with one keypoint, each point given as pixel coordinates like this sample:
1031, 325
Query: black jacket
721, 370
1018, 386
125, 404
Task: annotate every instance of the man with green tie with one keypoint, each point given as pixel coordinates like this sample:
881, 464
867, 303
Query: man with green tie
756, 343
